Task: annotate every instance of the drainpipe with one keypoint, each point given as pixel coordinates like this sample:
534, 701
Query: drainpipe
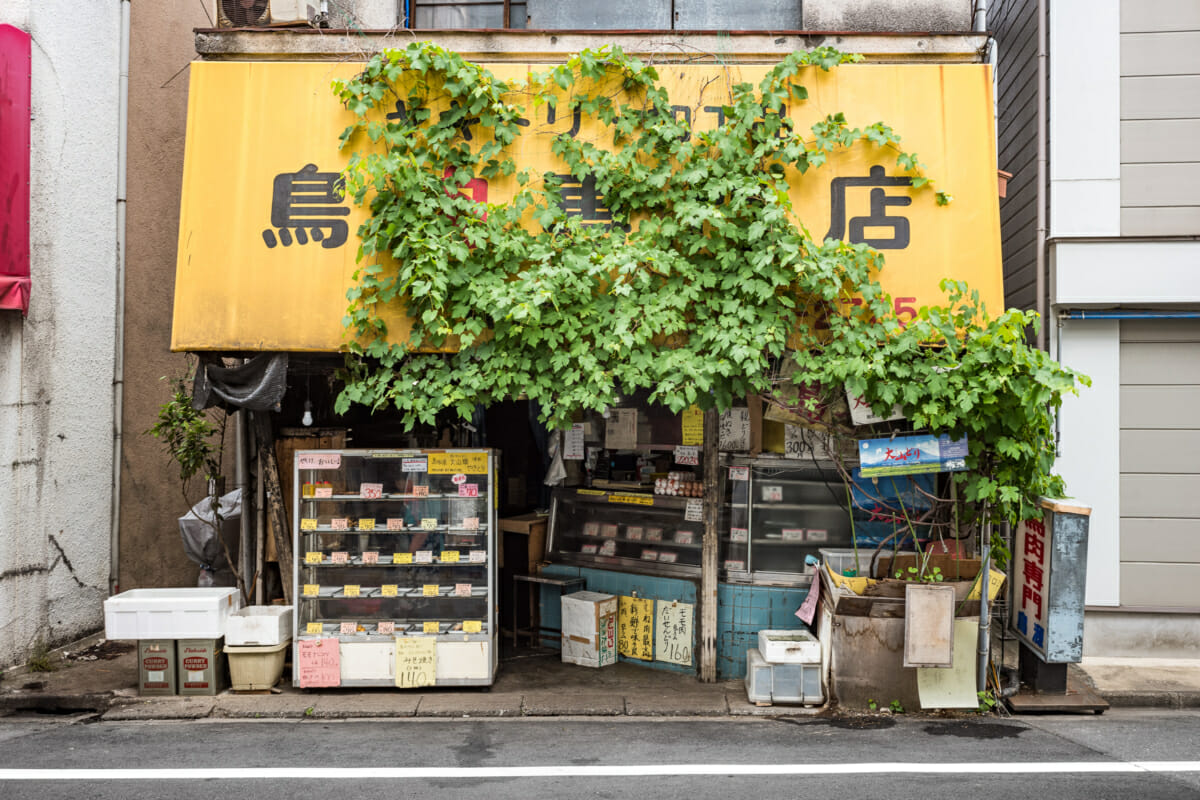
118, 385
985, 617
979, 16
1042, 172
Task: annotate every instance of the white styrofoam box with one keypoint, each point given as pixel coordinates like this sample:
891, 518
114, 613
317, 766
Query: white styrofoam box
259, 625
782, 683
368, 661
789, 647
462, 660
589, 629
187, 613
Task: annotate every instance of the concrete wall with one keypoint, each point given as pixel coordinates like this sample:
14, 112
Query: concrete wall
56, 365
161, 47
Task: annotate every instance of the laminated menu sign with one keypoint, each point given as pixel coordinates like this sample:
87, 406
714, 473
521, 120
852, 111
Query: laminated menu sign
620, 429
452, 463
635, 628
416, 662
319, 662
319, 461
673, 632
692, 425
735, 429
573, 443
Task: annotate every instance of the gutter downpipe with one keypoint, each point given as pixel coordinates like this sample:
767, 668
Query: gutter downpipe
1042, 171
118, 386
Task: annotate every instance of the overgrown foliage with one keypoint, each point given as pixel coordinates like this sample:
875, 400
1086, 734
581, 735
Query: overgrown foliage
705, 282
190, 438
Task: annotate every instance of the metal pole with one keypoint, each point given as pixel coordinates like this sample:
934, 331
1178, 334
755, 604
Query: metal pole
708, 556
985, 621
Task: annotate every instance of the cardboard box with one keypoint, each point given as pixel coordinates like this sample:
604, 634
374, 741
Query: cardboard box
589, 629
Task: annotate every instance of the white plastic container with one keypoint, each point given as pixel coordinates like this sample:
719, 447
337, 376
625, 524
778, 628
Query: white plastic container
259, 626
782, 683
789, 647
190, 613
589, 629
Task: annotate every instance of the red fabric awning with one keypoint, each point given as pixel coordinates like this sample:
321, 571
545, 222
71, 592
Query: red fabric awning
14, 168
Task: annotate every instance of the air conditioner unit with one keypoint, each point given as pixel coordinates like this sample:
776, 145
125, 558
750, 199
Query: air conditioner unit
259, 13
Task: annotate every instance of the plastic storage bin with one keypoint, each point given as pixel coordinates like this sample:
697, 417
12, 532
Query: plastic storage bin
789, 647
256, 668
782, 683
259, 626
192, 613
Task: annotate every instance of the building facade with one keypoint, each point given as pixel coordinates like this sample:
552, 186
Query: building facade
59, 375
1100, 234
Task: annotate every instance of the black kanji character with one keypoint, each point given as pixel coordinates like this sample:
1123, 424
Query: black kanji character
308, 203
880, 200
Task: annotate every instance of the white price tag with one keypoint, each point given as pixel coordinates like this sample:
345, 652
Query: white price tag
688, 455
694, 511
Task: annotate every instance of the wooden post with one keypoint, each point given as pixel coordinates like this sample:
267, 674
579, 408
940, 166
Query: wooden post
708, 556
276, 502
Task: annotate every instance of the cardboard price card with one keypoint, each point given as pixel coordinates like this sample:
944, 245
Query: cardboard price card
416, 662
431, 626
389, 589
462, 590
429, 524
313, 558
342, 524
350, 590
312, 590
429, 590
370, 491
324, 492
366, 524
402, 558
471, 523
308, 524
395, 524
387, 628
370, 557
348, 628
314, 627
420, 491
423, 557
472, 626
340, 557
478, 556
449, 557
468, 490
318, 661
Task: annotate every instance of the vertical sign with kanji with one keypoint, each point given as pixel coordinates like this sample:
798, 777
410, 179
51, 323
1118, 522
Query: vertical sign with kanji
1049, 565
635, 628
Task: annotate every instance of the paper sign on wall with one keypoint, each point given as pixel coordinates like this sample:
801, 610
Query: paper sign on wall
620, 429
673, 632
320, 662
455, 463
692, 424
319, 461
416, 662
687, 455
573, 443
735, 429
635, 628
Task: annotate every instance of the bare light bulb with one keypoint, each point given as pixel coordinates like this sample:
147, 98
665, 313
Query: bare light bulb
306, 420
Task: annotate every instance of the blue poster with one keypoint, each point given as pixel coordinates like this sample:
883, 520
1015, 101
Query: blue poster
912, 455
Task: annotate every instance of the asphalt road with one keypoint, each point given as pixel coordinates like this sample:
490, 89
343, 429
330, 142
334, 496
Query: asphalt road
1121, 755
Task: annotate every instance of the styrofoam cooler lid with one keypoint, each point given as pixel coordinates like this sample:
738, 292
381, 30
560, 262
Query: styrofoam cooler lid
589, 597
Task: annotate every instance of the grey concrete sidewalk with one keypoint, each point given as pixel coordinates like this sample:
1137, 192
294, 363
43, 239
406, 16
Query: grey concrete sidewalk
103, 679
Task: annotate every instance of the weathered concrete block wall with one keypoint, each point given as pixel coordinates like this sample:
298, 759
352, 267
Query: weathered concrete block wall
56, 365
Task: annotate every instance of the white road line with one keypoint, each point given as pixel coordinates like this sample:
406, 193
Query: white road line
613, 770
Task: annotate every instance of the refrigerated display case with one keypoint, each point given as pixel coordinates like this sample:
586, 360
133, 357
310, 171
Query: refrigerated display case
394, 561
777, 512
641, 532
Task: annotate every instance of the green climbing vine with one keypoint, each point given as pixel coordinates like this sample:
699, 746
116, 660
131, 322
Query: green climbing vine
704, 284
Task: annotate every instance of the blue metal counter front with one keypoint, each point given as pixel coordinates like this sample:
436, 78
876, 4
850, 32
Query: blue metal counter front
742, 611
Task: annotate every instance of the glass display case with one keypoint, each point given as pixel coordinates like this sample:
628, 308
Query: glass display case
394, 568
777, 511
655, 534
